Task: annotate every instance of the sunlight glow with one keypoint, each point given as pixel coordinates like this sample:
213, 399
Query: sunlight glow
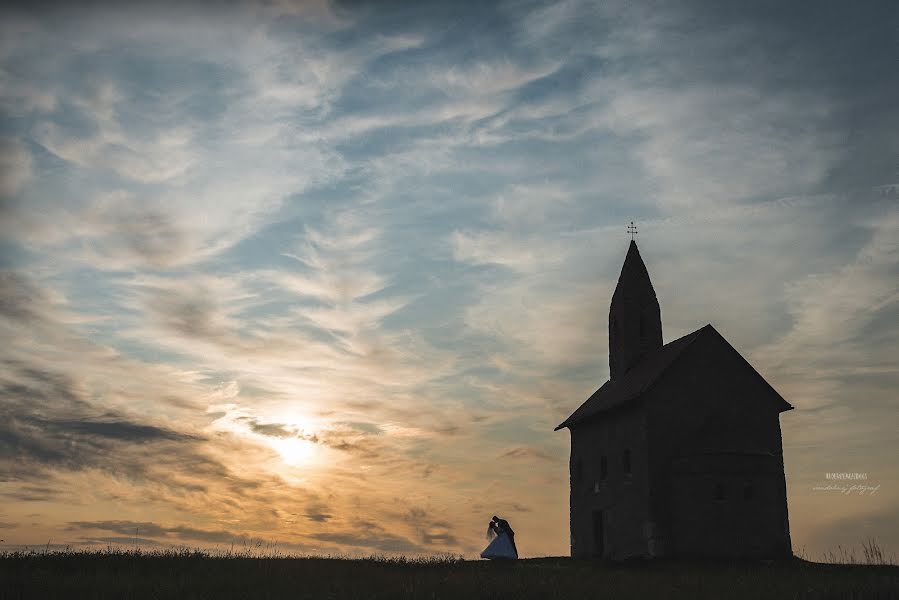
288, 437
294, 451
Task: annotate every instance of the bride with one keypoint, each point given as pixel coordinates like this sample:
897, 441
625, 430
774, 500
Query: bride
503, 544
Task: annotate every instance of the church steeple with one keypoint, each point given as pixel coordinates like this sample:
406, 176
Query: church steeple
635, 319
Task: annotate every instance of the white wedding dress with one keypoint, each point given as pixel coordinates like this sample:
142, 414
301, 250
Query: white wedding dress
500, 547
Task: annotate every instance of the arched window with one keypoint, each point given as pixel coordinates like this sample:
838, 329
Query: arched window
626, 461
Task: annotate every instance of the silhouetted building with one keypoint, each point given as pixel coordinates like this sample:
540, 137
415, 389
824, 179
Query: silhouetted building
679, 453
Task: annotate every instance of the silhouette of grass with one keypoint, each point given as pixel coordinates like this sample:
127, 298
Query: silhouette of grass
260, 572
869, 553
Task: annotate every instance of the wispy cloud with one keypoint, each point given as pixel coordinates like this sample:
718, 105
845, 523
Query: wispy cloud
329, 274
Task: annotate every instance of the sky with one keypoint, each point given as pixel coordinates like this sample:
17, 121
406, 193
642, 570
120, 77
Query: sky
323, 277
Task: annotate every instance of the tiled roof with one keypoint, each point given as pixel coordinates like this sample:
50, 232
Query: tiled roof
633, 383
647, 372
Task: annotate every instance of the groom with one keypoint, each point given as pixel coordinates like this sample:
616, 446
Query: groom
502, 526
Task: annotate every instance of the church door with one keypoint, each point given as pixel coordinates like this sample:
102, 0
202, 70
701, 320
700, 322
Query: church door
598, 537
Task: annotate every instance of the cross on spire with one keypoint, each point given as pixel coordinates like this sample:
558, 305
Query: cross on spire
632, 229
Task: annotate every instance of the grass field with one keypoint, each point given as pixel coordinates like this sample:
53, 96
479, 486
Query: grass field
196, 575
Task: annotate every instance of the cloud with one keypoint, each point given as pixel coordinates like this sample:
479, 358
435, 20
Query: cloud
831, 310
123, 527
15, 166
339, 436
431, 531
154, 530
366, 534
319, 514
48, 424
438, 535
527, 453
271, 429
262, 266
20, 299
120, 232
32, 493
114, 430
367, 428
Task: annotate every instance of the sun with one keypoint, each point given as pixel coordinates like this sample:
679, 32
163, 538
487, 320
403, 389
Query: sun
294, 451
287, 436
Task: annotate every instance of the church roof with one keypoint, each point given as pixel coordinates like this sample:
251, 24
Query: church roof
643, 377
633, 383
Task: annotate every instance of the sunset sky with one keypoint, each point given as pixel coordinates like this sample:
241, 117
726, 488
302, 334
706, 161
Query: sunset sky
326, 276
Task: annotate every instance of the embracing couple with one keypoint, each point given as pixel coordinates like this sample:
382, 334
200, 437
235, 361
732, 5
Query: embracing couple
503, 544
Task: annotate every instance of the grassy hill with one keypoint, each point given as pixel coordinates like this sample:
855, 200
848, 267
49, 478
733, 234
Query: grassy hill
197, 575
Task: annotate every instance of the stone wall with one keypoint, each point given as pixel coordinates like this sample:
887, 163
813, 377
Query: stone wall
620, 499
712, 386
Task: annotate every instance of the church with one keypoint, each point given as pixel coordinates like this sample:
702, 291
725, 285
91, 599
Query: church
679, 453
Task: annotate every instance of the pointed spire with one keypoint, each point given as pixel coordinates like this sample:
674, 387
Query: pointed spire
635, 319
634, 278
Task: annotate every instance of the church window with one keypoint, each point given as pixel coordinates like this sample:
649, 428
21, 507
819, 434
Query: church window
626, 462
719, 491
747, 491
603, 468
